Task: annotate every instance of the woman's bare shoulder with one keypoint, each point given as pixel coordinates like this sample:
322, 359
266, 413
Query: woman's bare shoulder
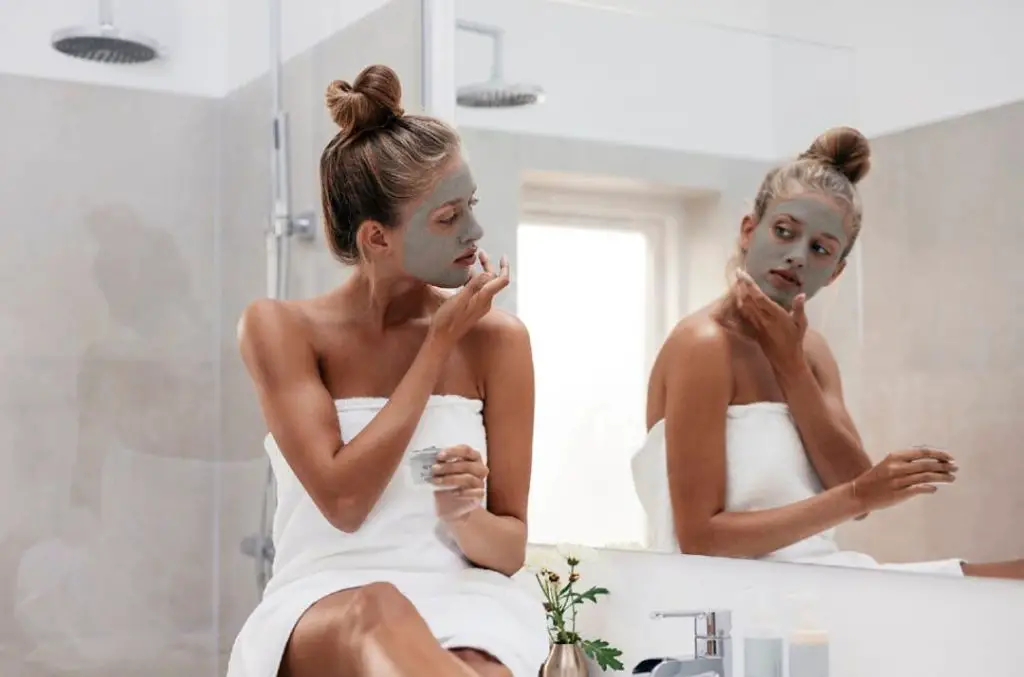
294, 319
499, 336
273, 320
498, 323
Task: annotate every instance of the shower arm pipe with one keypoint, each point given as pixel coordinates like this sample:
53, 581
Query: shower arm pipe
274, 45
106, 13
497, 35
281, 218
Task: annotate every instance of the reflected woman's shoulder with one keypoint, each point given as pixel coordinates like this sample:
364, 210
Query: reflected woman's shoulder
817, 349
697, 338
698, 329
698, 347
815, 340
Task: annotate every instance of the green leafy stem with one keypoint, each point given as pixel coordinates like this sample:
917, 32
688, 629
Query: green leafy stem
561, 602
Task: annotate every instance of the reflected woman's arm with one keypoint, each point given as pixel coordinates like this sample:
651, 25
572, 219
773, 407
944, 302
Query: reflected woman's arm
814, 392
808, 376
698, 393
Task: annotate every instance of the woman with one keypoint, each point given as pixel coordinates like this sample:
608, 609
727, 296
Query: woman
750, 450
389, 403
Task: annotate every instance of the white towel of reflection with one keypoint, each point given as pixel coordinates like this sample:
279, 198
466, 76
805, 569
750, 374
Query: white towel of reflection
115, 596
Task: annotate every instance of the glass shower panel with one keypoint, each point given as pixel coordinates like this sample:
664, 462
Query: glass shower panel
108, 427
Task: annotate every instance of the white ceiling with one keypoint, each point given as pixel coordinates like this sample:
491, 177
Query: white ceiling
804, 20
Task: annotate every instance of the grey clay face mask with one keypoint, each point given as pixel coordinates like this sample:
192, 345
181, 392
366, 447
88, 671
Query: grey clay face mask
800, 248
431, 247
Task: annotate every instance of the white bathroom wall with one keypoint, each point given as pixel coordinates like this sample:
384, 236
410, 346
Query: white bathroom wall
626, 78
916, 63
880, 625
439, 59
757, 78
916, 66
811, 90
304, 23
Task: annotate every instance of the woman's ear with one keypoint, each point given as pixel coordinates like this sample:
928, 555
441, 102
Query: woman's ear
747, 227
373, 240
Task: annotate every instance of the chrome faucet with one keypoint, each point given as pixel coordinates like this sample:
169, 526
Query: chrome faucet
712, 646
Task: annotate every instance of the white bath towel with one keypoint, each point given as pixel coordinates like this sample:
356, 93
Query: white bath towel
766, 467
402, 543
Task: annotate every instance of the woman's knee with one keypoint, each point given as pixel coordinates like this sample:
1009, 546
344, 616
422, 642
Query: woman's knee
375, 606
349, 616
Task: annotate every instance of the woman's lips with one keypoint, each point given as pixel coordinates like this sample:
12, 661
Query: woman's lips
785, 278
467, 259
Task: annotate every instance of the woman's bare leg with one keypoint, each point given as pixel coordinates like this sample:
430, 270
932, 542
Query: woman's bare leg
1011, 569
372, 631
482, 664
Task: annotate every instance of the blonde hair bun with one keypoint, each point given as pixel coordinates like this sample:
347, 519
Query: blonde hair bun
844, 148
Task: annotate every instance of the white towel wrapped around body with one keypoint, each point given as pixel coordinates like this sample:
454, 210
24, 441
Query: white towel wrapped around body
401, 542
766, 467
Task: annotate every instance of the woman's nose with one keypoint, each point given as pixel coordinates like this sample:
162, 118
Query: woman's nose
473, 233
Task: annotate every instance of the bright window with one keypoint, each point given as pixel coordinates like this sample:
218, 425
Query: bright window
585, 292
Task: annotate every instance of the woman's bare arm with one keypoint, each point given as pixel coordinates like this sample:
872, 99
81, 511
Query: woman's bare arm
300, 413
814, 392
698, 392
495, 538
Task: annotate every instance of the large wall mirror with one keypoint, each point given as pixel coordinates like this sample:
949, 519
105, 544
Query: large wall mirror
623, 196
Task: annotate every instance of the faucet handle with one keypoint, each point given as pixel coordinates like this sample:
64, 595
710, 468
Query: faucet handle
710, 627
708, 623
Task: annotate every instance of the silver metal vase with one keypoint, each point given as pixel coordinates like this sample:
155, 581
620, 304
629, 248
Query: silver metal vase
565, 660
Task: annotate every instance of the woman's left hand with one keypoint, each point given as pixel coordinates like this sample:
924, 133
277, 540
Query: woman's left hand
460, 478
780, 332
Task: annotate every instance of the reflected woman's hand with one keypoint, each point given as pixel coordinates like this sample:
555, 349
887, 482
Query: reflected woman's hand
780, 332
902, 475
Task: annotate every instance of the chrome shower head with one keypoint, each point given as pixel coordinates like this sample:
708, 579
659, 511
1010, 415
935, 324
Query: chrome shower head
105, 43
498, 95
495, 93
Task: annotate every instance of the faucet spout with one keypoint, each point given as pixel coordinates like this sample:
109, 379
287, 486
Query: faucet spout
696, 667
712, 651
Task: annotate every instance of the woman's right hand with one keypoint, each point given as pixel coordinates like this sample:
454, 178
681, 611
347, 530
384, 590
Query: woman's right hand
902, 475
462, 310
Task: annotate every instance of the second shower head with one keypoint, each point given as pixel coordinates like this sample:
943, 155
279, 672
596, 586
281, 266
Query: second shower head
496, 92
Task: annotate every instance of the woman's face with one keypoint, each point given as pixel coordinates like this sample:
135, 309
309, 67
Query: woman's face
797, 246
438, 239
